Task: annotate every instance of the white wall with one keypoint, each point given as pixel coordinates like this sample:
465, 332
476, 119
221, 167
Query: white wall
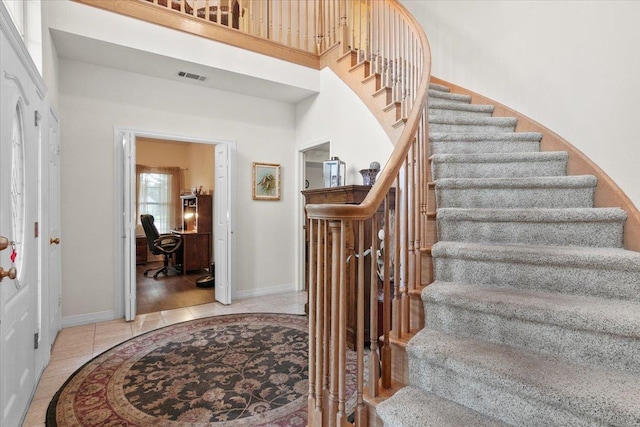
573, 66
49, 59
339, 116
93, 100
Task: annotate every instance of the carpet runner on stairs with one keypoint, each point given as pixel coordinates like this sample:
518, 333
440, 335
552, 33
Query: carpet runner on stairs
534, 315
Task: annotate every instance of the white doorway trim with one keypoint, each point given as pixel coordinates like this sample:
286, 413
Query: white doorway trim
124, 292
300, 228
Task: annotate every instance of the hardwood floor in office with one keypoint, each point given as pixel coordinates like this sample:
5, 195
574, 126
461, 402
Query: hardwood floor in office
169, 292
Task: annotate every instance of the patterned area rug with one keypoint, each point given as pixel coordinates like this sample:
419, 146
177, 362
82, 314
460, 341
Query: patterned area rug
235, 370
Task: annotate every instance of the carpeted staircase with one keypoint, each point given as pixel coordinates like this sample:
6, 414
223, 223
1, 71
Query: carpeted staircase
534, 315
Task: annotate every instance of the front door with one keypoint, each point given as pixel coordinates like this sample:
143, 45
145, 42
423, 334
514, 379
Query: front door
18, 217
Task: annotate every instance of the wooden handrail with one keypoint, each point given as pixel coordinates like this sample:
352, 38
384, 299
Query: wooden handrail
390, 171
386, 43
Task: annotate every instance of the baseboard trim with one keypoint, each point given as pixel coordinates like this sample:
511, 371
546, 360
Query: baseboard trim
289, 287
85, 319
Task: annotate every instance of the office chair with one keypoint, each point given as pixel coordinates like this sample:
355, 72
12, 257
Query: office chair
160, 244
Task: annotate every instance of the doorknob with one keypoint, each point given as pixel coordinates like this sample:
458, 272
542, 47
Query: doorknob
4, 243
55, 241
11, 273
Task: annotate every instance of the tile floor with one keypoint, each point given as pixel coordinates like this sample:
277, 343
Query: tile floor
77, 345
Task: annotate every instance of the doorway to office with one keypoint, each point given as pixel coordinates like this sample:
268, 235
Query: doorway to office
174, 186
126, 221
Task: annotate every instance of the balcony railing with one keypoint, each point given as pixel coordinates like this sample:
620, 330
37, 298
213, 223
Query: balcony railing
308, 25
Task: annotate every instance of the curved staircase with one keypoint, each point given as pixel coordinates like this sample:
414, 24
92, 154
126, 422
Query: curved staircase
534, 315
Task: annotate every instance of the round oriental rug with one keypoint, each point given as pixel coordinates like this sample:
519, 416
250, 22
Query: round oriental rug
234, 370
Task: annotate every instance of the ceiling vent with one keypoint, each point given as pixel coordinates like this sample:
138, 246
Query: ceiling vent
192, 76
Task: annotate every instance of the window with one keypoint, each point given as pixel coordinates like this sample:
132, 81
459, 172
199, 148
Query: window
154, 197
159, 195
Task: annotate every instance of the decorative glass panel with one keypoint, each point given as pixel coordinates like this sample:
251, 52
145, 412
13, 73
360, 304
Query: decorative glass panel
18, 189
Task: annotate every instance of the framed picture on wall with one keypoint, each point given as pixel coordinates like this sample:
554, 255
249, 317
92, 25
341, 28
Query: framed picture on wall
266, 181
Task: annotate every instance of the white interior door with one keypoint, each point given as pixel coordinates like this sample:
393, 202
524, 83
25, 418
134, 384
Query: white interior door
54, 274
223, 231
129, 223
18, 217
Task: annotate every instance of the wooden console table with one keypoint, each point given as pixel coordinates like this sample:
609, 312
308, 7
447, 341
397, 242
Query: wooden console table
350, 194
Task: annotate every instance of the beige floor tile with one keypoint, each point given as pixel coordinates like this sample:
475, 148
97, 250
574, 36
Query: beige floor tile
37, 414
205, 310
47, 387
80, 336
176, 316
114, 328
218, 310
147, 322
65, 367
66, 351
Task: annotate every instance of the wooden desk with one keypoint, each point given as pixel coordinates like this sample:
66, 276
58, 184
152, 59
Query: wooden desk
141, 250
350, 194
195, 253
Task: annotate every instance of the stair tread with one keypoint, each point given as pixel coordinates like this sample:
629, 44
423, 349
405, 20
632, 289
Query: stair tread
537, 215
451, 96
438, 87
412, 407
445, 104
601, 315
572, 181
467, 120
607, 395
470, 137
579, 256
536, 156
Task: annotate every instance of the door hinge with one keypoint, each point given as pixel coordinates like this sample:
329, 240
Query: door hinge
36, 340
36, 231
37, 118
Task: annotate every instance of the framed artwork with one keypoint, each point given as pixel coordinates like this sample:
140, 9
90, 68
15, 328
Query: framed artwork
266, 181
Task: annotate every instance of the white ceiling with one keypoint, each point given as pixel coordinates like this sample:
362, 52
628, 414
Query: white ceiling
97, 52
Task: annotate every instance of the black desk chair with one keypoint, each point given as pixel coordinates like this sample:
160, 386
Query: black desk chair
160, 244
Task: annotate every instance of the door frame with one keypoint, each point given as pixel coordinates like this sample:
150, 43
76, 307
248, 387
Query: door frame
300, 228
122, 235
50, 288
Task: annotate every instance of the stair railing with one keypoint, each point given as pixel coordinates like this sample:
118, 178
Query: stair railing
309, 25
389, 40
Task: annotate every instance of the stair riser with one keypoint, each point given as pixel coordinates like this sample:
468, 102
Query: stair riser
574, 280
471, 147
588, 347
491, 400
470, 128
513, 198
592, 234
498, 170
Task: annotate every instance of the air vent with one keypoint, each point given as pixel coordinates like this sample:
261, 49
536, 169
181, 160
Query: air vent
192, 76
